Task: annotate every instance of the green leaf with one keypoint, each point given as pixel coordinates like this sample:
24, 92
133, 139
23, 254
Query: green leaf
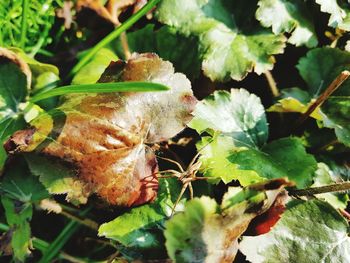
324, 176
339, 11
58, 178
278, 159
13, 87
215, 164
18, 217
285, 16
238, 114
169, 45
208, 232
18, 183
139, 228
319, 68
336, 115
311, 231
128, 86
93, 70
14, 84
230, 46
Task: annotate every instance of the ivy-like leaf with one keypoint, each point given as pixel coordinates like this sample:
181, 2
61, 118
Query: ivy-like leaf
286, 16
19, 189
208, 232
230, 48
278, 159
237, 150
339, 11
319, 68
18, 216
215, 163
238, 114
311, 231
104, 135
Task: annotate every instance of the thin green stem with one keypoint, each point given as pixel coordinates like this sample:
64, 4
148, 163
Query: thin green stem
339, 187
25, 7
113, 35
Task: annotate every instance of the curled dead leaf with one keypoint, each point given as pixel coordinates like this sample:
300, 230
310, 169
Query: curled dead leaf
104, 135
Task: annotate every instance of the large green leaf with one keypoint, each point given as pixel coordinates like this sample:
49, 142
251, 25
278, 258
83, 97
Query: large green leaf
209, 232
215, 163
285, 16
309, 231
231, 42
238, 114
339, 11
284, 157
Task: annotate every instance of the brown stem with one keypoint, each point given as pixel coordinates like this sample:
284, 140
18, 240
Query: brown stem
339, 187
86, 222
272, 83
125, 45
323, 97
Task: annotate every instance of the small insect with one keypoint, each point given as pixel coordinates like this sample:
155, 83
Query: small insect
186, 176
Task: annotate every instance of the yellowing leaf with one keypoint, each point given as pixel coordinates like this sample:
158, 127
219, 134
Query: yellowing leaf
293, 105
208, 232
103, 135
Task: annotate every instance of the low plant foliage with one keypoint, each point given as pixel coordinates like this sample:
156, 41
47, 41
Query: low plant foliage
174, 130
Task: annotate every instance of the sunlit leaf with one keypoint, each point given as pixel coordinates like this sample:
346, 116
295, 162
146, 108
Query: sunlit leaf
103, 135
209, 232
290, 17
311, 231
230, 46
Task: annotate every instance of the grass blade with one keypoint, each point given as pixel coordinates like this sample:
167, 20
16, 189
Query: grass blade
113, 35
129, 86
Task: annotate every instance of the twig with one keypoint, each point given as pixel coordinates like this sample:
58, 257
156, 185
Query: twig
339, 187
125, 45
339, 80
272, 83
86, 222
